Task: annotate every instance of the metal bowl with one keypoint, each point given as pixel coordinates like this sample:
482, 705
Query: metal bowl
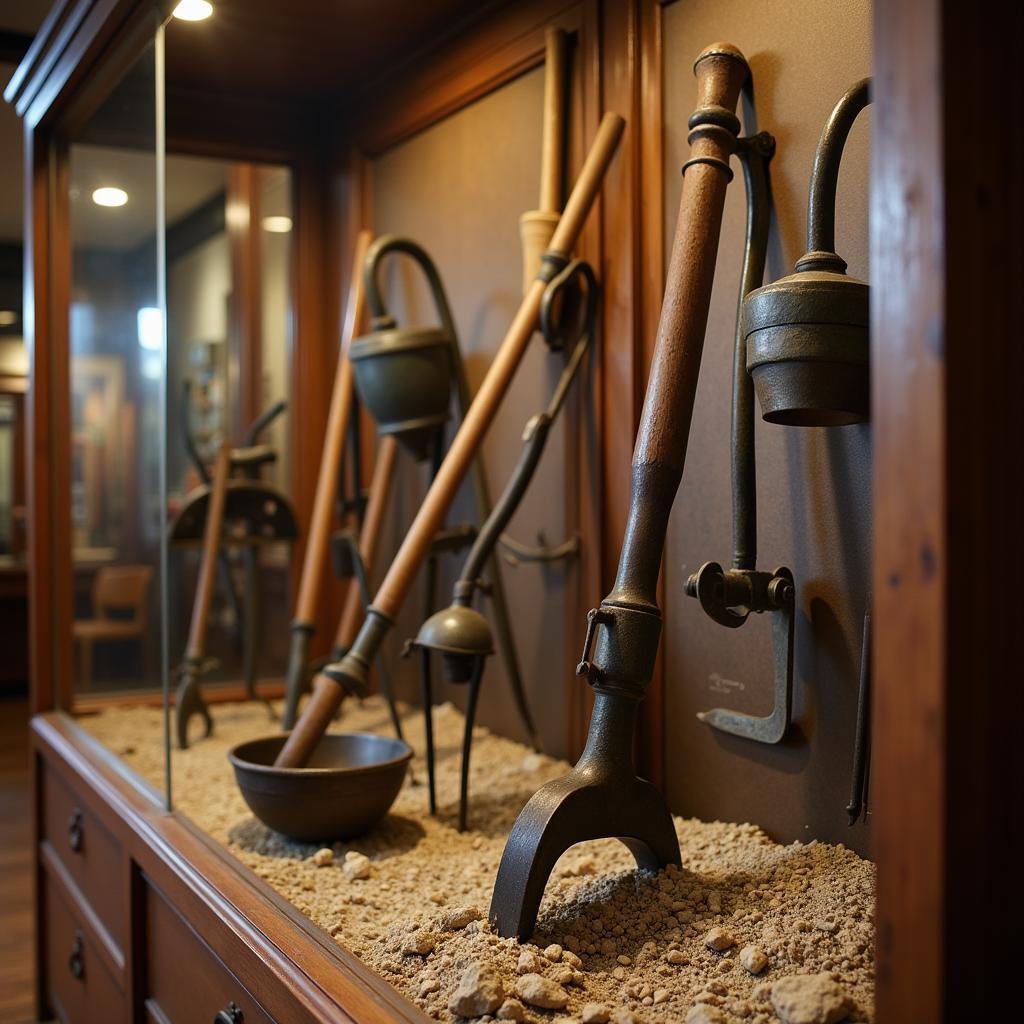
349, 784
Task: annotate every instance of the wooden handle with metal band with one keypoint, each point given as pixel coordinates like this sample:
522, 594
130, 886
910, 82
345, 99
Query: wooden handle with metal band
327, 692
315, 555
208, 564
664, 427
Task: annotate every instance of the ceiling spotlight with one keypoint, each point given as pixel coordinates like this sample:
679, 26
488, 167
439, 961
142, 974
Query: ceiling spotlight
109, 196
278, 225
193, 10
8, 317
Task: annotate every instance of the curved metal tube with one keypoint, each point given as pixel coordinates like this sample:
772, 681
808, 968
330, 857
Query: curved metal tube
821, 199
263, 421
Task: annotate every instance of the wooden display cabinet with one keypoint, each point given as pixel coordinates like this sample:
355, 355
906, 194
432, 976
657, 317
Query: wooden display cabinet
137, 909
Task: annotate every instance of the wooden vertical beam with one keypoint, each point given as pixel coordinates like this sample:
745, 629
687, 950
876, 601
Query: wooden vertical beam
946, 268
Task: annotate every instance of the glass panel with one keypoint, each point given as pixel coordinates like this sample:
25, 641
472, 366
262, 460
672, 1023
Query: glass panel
117, 389
229, 341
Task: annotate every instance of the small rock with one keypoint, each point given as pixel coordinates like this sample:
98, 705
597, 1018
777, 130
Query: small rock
542, 992
719, 940
511, 1009
660, 995
553, 952
674, 956
427, 986
480, 991
323, 858
570, 958
356, 866
754, 959
594, 1013
620, 1015
419, 943
810, 999
626, 961
827, 926
458, 917
704, 1014
529, 963
714, 903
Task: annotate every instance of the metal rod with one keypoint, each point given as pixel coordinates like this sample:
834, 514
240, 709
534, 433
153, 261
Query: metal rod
428, 723
821, 201
467, 738
754, 154
862, 737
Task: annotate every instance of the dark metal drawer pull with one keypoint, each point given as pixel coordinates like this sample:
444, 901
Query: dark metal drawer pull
76, 962
75, 830
232, 1015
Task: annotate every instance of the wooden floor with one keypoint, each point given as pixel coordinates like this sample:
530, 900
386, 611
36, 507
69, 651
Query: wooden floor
16, 931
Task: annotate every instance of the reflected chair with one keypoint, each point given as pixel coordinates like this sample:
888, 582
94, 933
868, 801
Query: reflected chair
119, 603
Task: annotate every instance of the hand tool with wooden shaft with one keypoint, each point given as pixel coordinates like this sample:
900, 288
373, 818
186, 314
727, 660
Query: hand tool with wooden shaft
537, 226
602, 795
731, 596
315, 556
459, 633
351, 672
188, 701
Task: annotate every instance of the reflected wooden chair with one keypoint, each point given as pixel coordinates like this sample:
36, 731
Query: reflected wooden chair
120, 597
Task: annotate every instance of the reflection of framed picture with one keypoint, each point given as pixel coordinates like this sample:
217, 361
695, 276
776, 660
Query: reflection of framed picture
100, 458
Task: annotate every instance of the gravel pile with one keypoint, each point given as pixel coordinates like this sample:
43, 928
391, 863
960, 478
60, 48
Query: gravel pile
748, 931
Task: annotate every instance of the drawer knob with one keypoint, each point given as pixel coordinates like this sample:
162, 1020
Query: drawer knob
75, 830
232, 1015
76, 962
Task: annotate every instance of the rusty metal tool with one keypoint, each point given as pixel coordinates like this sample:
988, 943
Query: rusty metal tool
315, 556
603, 796
352, 671
460, 633
730, 596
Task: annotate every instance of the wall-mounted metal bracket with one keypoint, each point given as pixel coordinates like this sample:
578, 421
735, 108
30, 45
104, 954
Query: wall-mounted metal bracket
729, 598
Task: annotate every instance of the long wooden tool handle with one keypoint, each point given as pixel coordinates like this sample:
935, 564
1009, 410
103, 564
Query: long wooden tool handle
380, 486
551, 163
334, 440
668, 406
211, 545
465, 443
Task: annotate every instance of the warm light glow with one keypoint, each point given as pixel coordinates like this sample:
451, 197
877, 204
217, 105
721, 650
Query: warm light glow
150, 328
8, 317
193, 10
278, 225
109, 196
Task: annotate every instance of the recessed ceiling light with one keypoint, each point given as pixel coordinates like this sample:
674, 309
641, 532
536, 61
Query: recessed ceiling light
277, 224
193, 10
8, 317
110, 196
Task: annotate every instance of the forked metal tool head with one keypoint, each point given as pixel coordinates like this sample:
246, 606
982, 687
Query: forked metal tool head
601, 797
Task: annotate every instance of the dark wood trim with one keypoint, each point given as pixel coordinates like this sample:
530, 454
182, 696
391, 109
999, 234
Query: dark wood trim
244, 922
213, 693
945, 271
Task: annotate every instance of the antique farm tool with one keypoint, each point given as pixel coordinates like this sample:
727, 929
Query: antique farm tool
459, 633
352, 671
189, 701
729, 596
315, 557
602, 796
404, 376
537, 226
246, 513
807, 334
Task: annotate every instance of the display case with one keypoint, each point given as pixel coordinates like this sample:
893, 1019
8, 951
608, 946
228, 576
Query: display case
196, 193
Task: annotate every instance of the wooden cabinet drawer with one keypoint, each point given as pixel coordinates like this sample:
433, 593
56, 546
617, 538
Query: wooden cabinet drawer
92, 857
79, 982
186, 983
